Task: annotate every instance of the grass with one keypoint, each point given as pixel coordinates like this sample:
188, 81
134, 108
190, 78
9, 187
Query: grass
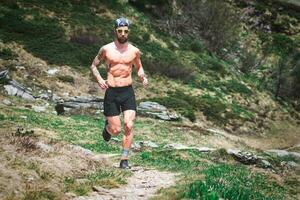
75, 129
213, 107
202, 180
104, 178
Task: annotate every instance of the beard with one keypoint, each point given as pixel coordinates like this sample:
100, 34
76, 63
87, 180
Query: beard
122, 40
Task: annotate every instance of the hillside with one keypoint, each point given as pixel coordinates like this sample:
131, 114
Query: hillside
236, 92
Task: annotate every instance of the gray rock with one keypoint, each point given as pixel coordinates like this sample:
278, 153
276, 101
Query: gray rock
44, 147
40, 108
136, 146
4, 77
284, 153
148, 144
115, 139
154, 106
266, 164
292, 164
16, 89
7, 102
77, 103
44, 96
52, 72
177, 146
243, 156
155, 110
11, 90
81, 149
205, 149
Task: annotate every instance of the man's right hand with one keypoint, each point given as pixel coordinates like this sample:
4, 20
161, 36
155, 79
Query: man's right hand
103, 85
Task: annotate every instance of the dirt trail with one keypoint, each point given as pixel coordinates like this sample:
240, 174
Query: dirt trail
141, 185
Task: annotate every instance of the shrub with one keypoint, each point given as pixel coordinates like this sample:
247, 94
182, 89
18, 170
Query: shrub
197, 46
7, 54
170, 68
180, 105
66, 78
237, 87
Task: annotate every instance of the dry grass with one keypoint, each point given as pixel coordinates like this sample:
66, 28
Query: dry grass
28, 172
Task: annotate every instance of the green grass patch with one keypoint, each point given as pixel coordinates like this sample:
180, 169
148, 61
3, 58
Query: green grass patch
6, 54
80, 130
66, 78
211, 106
233, 182
202, 180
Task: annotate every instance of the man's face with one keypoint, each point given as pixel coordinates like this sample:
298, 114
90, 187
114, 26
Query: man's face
122, 34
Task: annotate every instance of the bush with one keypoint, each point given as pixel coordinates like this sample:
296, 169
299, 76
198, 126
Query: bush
180, 105
237, 87
170, 68
7, 54
66, 78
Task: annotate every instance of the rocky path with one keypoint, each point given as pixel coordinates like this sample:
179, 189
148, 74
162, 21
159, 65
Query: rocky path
141, 185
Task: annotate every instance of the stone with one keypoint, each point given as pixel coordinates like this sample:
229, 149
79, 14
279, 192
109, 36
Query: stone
243, 156
148, 144
44, 96
77, 103
44, 147
16, 89
52, 72
154, 106
177, 146
284, 153
4, 77
115, 139
266, 164
155, 110
205, 149
292, 164
81, 149
7, 102
11, 90
39, 108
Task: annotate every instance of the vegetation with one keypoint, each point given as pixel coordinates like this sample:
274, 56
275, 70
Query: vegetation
221, 59
208, 181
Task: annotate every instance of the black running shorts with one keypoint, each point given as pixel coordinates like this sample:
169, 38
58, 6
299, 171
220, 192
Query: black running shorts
119, 99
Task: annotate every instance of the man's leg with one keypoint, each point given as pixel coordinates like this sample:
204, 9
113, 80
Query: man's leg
112, 127
129, 116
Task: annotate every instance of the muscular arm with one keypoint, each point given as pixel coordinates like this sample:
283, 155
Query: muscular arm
97, 60
138, 65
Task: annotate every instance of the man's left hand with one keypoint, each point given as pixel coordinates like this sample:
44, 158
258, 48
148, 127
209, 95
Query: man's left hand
145, 81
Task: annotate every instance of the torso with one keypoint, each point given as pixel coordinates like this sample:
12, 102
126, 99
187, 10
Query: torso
119, 64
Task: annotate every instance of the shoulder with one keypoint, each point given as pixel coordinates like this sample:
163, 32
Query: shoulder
105, 48
135, 49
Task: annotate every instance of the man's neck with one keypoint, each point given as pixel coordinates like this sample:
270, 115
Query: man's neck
121, 45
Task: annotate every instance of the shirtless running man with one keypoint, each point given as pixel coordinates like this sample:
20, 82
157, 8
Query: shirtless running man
119, 56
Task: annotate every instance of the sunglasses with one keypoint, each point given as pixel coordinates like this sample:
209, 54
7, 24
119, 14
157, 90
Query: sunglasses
123, 31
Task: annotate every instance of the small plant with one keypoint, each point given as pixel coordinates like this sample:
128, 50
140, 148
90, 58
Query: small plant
237, 87
7, 54
2, 117
66, 78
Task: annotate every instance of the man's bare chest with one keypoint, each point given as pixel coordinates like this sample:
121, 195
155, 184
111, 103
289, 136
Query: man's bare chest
120, 57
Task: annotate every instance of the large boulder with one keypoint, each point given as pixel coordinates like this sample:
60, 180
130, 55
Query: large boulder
16, 89
78, 103
155, 110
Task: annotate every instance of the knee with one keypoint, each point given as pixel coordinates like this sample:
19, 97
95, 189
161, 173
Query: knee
115, 130
128, 125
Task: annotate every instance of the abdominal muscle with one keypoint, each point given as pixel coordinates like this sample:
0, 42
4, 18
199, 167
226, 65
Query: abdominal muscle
119, 75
